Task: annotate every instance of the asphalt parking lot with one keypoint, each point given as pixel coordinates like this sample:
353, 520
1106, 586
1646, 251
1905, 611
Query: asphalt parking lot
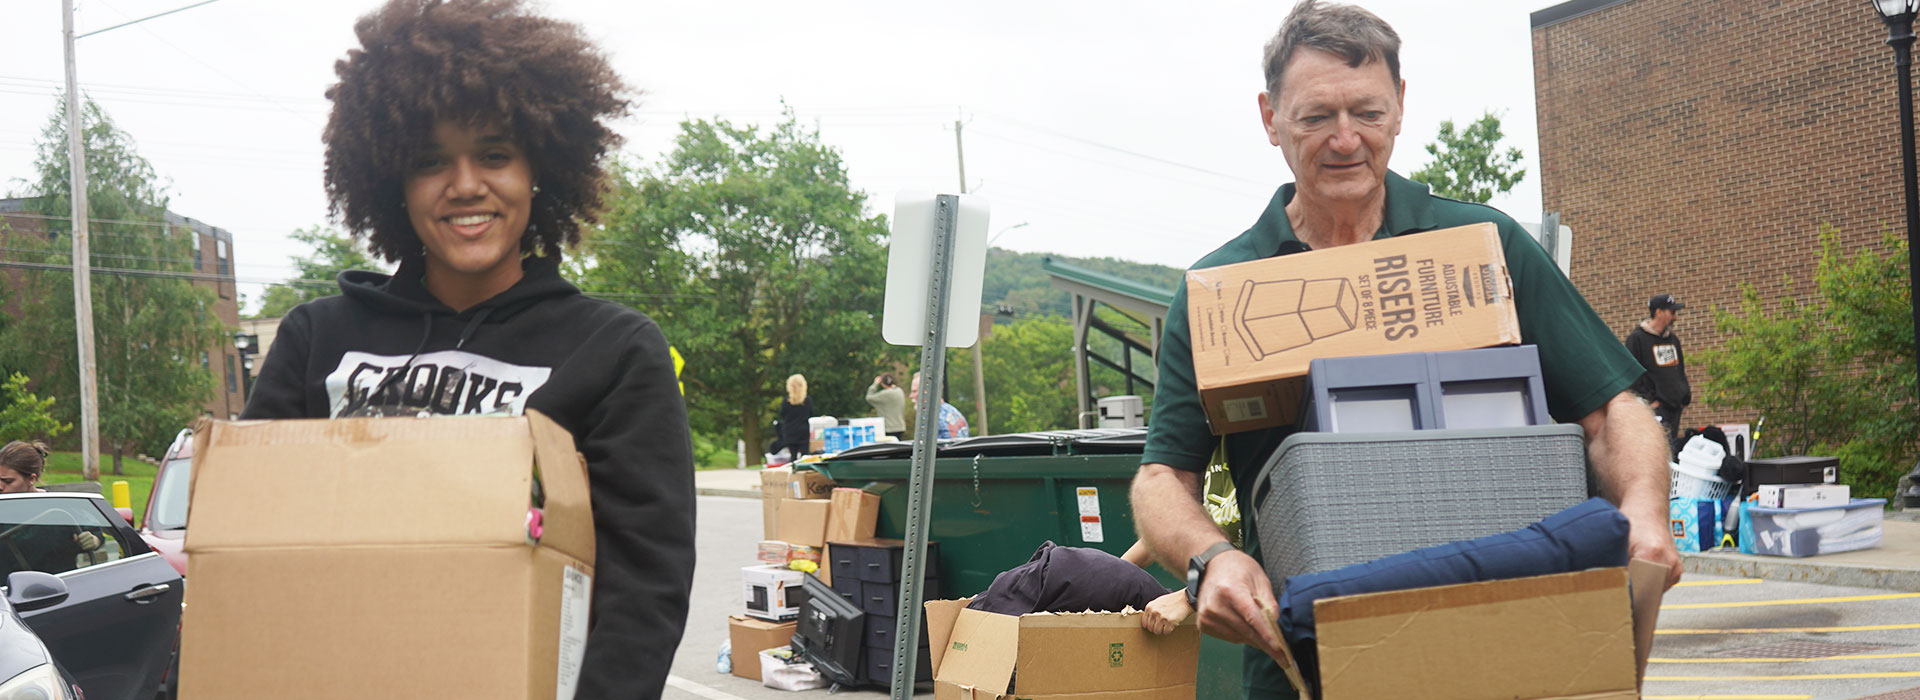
1719, 638
1729, 638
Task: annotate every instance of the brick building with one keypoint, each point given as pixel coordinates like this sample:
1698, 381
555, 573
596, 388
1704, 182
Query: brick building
1697, 144
212, 257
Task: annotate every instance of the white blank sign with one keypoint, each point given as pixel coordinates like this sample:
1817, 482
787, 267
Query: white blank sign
909, 254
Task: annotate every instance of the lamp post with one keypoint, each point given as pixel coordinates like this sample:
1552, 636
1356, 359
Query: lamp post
1898, 16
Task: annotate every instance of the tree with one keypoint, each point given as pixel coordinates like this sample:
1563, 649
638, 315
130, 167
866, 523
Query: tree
1833, 375
1469, 165
24, 416
150, 332
333, 253
758, 260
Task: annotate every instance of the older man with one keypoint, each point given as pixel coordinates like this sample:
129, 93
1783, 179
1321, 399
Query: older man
1333, 103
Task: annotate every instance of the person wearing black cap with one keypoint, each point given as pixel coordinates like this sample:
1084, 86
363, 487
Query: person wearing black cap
1655, 345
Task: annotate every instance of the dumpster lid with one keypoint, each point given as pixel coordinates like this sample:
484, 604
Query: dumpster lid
1049, 442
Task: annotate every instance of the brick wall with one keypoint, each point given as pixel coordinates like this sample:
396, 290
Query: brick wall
1696, 144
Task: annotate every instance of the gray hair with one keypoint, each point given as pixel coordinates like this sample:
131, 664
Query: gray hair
1342, 30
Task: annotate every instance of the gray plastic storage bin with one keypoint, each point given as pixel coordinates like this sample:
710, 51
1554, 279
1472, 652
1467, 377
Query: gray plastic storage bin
1458, 389
1328, 500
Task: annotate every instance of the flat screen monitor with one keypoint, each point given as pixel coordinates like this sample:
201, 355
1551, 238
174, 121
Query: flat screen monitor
829, 632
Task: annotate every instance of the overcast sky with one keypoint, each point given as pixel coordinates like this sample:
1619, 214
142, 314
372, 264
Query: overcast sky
1115, 128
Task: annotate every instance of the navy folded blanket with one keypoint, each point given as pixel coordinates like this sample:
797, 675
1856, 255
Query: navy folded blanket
1587, 536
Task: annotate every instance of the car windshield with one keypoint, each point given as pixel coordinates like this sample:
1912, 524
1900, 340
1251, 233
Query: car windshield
170, 496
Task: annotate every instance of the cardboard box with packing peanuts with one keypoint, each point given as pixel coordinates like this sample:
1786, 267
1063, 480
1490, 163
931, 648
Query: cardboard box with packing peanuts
1256, 325
979, 655
369, 544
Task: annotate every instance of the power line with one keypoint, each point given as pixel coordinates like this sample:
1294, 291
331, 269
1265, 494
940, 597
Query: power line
205, 277
1117, 149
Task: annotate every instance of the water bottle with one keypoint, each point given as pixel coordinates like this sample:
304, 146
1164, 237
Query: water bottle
725, 663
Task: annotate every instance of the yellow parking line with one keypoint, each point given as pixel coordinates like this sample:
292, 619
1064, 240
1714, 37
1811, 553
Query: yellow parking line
1797, 601
1727, 697
1808, 677
1790, 630
1848, 657
1721, 583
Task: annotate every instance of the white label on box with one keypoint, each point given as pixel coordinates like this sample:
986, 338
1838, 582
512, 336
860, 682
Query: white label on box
1090, 529
1250, 408
1089, 500
576, 597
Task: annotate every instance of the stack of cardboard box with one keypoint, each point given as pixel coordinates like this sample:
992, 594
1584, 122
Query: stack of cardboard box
802, 512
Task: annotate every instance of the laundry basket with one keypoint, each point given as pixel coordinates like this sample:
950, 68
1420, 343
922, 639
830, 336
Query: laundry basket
1327, 500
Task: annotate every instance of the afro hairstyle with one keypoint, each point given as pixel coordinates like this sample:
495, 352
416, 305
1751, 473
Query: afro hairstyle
475, 62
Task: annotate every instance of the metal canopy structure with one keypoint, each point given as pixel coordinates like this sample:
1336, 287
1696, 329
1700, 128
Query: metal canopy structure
1090, 289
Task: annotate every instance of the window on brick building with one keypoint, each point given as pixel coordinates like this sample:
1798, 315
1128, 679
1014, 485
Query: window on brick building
220, 254
196, 250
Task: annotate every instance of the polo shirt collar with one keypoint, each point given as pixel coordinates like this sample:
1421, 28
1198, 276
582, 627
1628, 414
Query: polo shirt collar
1409, 208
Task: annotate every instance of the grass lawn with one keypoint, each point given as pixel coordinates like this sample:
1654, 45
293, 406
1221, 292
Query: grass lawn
64, 467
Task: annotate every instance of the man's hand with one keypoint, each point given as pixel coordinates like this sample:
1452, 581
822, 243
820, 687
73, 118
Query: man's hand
1166, 612
1654, 543
1233, 598
87, 541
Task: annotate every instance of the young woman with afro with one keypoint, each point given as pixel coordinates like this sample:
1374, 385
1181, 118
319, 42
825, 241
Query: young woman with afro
466, 144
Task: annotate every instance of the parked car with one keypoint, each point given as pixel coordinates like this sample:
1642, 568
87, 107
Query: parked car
117, 628
29, 670
165, 525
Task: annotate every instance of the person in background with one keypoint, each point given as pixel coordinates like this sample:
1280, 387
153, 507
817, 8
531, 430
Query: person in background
1655, 345
1332, 104
891, 403
467, 143
21, 466
952, 424
795, 411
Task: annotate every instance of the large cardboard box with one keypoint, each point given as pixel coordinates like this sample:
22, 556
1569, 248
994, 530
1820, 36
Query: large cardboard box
386, 557
852, 515
1573, 636
1256, 325
781, 484
747, 637
803, 522
978, 655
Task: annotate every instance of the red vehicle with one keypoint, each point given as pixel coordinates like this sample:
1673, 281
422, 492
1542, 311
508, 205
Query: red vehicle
165, 525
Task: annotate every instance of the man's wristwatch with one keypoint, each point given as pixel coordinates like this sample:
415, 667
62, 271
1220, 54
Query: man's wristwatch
1197, 571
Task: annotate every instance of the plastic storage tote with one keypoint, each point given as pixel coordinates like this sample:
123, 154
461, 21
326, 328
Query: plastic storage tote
1805, 532
1328, 500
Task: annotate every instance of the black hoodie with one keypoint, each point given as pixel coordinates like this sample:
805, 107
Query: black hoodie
602, 371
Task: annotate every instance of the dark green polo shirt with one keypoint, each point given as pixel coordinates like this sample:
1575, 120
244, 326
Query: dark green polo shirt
1581, 361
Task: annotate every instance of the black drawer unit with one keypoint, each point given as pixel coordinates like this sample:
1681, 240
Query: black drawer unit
880, 561
880, 629
879, 666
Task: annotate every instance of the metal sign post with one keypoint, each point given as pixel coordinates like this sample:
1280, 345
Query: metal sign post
933, 367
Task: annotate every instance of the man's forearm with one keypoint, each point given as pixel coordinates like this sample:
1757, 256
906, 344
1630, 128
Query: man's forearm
1166, 504
1629, 457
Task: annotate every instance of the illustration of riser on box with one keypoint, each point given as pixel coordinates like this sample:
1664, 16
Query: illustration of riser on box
1293, 313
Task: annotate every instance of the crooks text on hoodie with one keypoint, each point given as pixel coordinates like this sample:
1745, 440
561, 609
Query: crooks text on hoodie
387, 347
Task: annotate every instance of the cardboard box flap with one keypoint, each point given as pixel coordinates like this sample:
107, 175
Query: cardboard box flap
980, 651
309, 482
1649, 581
568, 516
1559, 636
940, 618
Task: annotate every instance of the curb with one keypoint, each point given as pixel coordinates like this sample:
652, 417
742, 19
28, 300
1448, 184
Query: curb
1779, 569
733, 493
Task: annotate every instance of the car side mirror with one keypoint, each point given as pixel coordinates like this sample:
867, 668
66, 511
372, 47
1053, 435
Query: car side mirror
33, 590
125, 513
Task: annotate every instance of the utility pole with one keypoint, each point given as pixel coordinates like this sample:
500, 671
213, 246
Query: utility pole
979, 374
82, 259
82, 269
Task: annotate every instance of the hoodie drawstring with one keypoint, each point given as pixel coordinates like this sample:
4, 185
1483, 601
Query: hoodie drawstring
472, 326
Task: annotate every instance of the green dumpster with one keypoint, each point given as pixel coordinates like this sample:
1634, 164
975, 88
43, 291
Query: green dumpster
996, 499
